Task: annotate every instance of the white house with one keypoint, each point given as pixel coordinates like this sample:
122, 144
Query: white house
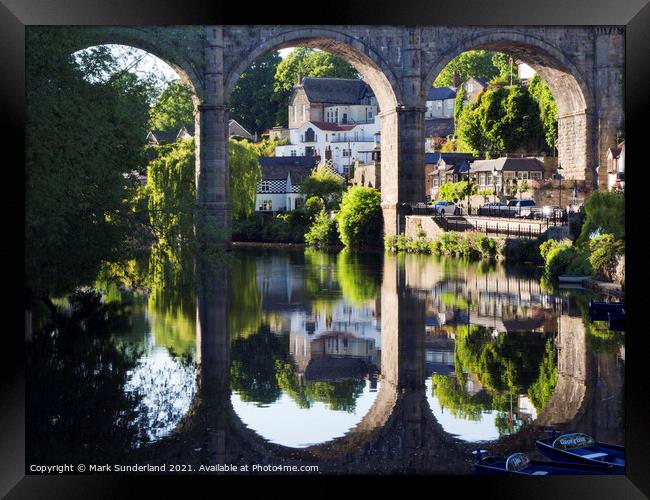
524, 72
616, 168
278, 191
440, 103
343, 144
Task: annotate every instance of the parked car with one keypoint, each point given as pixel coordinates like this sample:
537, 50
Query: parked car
551, 212
522, 207
493, 208
445, 207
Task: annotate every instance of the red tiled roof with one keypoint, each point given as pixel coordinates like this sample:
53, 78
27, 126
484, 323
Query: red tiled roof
333, 126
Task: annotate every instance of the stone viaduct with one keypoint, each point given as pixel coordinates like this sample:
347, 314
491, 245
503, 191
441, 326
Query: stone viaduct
399, 433
583, 67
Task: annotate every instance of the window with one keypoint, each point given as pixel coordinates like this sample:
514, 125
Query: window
347, 152
293, 152
470, 86
488, 179
536, 175
264, 187
266, 205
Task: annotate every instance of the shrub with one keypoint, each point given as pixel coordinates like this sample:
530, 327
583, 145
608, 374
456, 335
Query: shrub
323, 231
562, 257
314, 205
604, 213
360, 221
604, 250
451, 243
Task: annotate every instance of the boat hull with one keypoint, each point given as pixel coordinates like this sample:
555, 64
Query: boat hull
568, 456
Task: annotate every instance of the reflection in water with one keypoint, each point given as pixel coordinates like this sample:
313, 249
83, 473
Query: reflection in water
165, 386
401, 362
315, 353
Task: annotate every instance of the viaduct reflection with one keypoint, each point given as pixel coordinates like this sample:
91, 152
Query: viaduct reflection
421, 302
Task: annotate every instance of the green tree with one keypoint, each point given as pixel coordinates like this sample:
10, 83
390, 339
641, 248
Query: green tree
456, 191
323, 231
547, 109
604, 214
476, 63
503, 120
83, 137
501, 62
360, 220
173, 110
245, 173
254, 101
324, 184
309, 62
171, 190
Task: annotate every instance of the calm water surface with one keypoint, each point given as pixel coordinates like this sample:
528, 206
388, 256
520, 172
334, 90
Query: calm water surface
355, 362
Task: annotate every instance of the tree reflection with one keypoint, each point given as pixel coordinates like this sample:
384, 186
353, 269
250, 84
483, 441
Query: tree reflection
493, 370
76, 406
262, 369
359, 276
340, 395
245, 313
253, 365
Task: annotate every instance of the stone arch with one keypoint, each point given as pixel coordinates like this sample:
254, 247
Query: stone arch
571, 90
154, 41
374, 70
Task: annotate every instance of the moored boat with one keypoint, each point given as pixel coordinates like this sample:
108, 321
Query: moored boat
616, 321
581, 449
570, 278
521, 464
599, 311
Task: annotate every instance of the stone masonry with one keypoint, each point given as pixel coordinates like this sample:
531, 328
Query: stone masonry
583, 66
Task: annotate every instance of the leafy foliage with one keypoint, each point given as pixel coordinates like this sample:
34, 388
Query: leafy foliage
360, 220
323, 231
245, 173
309, 62
547, 109
604, 251
456, 191
563, 257
604, 213
473, 246
324, 184
173, 109
171, 191
254, 102
476, 63
503, 120
82, 140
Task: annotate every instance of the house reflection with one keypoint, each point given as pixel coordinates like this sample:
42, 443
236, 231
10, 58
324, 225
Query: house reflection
330, 338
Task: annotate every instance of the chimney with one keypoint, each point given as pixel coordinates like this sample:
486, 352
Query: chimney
300, 77
456, 79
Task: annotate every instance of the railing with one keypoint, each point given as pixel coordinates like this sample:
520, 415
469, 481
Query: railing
506, 227
555, 216
353, 139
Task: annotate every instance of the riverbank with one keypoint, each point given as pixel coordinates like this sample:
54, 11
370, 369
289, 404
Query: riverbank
262, 244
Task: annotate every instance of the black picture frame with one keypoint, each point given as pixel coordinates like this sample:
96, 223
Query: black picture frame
633, 14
